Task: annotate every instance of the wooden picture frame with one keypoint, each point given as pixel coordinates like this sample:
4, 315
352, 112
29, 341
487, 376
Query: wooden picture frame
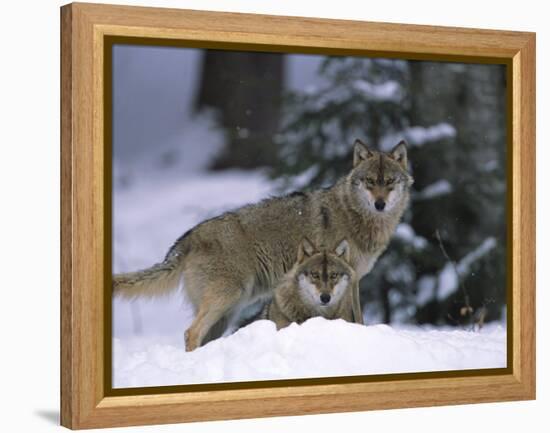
86, 398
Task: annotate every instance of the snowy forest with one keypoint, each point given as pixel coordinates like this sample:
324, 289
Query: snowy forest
198, 132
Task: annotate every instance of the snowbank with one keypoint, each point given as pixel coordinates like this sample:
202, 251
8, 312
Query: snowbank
317, 348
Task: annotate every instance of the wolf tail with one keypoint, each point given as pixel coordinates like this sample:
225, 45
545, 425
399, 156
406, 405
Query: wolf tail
160, 279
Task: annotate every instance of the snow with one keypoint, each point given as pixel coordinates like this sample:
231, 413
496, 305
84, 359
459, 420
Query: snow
400, 273
295, 183
491, 165
425, 289
405, 233
387, 91
449, 277
317, 348
464, 265
448, 281
418, 135
436, 189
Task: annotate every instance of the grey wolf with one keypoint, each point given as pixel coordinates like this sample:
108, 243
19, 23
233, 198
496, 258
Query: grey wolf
236, 259
319, 284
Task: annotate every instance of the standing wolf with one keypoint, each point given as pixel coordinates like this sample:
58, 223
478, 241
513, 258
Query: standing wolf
231, 261
316, 285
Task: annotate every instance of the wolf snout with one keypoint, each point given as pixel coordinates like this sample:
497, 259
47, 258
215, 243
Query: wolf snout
380, 204
325, 298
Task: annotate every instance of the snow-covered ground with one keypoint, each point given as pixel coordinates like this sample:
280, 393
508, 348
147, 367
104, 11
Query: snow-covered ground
317, 348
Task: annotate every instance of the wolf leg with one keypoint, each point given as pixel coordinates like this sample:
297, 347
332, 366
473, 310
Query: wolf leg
216, 330
345, 310
214, 306
356, 305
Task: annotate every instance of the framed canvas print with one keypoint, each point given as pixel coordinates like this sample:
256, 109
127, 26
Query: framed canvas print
267, 215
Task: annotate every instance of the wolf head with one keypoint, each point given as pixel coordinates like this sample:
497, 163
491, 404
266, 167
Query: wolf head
324, 275
380, 181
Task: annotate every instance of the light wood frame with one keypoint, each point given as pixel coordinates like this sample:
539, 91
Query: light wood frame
85, 402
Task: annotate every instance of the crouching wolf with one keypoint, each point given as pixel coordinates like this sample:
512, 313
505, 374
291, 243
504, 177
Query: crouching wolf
236, 259
316, 285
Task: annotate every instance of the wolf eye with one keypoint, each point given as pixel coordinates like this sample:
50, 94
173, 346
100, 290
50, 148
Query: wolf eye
333, 275
315, 275
390, 180
369, 181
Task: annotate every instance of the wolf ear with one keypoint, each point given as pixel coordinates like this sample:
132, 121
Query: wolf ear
305, 250
342, 250
399, 153
361, 152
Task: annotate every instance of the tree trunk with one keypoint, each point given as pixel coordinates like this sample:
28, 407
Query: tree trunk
245, 89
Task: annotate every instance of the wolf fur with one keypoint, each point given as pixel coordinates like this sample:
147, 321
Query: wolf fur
315, 274
237, 258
